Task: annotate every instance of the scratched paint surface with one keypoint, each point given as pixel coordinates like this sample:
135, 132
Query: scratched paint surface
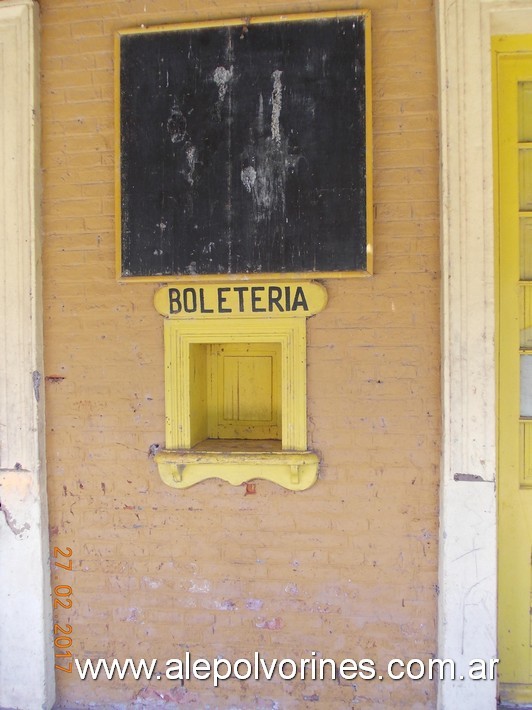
244, 151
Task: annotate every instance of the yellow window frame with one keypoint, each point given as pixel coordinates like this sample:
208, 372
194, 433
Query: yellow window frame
190, 454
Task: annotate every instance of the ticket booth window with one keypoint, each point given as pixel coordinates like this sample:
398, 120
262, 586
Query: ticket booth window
236, 399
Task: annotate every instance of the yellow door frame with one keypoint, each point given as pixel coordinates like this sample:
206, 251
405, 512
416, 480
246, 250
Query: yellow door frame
512, 65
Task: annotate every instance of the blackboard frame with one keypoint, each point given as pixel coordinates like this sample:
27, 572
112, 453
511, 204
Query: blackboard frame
121, 178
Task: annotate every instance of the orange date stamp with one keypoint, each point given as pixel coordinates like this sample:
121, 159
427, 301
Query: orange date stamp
62, 598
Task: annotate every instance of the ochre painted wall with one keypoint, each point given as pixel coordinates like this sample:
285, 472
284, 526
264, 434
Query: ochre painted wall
348, 568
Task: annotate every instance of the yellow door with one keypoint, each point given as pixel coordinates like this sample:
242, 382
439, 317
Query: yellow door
245, 401
513, 197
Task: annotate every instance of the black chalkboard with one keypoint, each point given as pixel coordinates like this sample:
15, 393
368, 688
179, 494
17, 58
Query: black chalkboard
243, 147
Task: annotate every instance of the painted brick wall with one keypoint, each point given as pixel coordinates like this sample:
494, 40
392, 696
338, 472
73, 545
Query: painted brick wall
347, 569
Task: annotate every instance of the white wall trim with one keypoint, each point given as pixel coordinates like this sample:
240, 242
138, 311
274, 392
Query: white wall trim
468, 517
26, 641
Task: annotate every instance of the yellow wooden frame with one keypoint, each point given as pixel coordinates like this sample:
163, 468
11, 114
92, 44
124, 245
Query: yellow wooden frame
509, 52
244, 21
186, 459
289, 333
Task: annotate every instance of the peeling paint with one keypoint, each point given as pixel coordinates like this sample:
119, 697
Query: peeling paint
270, 624
154, 448
201, 587
12, 523
222, 78
469, 477
155, 697
176, 125
248, 176
226, 605
192, 159
36, 377
254, 604
277, 103
133, 615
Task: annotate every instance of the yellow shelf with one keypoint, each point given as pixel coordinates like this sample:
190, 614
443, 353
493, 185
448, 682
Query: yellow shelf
295, 470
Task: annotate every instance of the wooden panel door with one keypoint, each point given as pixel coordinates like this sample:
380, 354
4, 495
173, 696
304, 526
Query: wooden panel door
245, 391
513, 191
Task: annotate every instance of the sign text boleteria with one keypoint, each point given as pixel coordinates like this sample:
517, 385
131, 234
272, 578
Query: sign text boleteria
186, 300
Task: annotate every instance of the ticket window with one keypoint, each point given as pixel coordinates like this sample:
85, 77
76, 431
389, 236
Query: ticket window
236, 387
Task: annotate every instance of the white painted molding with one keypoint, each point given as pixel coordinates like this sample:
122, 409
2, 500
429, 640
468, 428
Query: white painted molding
467, 626
26, 641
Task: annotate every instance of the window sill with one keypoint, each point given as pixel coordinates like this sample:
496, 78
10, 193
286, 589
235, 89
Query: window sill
295, 470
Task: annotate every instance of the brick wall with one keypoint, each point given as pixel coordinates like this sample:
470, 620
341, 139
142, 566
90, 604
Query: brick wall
348, 568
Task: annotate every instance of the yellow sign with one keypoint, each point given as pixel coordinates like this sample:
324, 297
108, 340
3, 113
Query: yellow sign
240, 300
